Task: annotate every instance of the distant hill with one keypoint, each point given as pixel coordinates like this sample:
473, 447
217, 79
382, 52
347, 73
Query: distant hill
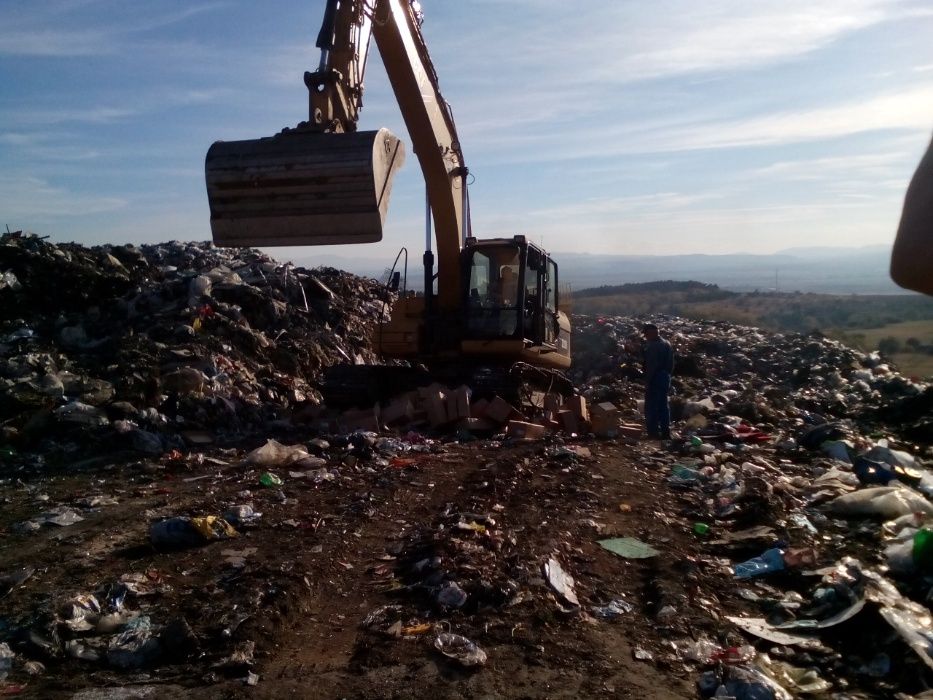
824, 270
854, 270
777, 311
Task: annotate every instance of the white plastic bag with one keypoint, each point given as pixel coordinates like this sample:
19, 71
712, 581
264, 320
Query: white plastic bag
887, 502
274, 454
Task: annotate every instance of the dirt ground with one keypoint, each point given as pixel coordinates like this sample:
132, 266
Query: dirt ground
322, 557
333, 591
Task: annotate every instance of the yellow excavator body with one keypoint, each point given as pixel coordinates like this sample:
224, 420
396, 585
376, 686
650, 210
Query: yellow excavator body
324, 182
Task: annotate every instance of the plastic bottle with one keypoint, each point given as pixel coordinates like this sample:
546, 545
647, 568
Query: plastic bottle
923, 549
768, 562
6, 660
686, 474
270, 479
735, 655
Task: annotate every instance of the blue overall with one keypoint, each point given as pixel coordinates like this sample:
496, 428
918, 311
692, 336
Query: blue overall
659, 363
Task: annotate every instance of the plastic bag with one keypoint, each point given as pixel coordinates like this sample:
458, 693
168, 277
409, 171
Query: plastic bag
188, 532
6, 660
460, 649
81, 413
134, 647
274, 454
768, 562
896, 458
883, 501
837, 449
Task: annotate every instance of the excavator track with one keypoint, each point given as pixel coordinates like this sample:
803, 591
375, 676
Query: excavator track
362, 386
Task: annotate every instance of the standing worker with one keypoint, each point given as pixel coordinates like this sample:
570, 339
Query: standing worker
659, 363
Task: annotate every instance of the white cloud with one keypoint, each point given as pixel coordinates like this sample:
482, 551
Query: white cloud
716, 230
911, 108
57, 43
67, 115
698, 37
34, 200
38, 33
872, 167
599, 43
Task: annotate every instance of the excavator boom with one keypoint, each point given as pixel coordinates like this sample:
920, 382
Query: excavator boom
324, 182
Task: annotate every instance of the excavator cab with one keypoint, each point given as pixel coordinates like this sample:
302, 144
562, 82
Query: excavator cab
510, 302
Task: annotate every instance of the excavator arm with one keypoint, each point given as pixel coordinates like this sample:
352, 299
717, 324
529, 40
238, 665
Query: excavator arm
396, 26
335, 89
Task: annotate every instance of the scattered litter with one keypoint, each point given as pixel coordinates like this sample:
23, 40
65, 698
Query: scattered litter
560, 581
629, 548
460, 649
181, 531
770, 561
613, 609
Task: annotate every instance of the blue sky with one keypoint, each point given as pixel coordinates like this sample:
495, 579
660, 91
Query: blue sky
607, 127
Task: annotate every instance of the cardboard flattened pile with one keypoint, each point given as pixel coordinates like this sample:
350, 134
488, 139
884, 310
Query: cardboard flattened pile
440, 408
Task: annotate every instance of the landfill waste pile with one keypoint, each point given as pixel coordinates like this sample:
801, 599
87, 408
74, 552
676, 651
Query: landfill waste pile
158, 347
184, 518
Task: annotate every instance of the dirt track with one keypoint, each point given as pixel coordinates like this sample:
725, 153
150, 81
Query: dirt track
324, 560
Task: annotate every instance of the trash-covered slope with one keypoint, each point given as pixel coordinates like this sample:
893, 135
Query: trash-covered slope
802, 470
93, 339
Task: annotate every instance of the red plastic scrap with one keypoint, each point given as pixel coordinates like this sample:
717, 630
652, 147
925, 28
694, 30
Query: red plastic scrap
401, 462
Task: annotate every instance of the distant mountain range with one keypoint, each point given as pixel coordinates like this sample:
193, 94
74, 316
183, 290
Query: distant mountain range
825, 270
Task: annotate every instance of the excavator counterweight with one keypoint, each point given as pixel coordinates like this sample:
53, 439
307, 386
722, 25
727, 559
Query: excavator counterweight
302, 187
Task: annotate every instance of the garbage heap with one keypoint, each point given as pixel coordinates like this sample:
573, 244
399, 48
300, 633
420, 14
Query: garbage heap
802, 469
154, 347
732, 379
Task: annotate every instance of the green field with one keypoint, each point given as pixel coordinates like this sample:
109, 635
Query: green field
914, 340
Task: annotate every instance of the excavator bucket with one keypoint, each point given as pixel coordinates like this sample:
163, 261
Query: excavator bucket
301, 188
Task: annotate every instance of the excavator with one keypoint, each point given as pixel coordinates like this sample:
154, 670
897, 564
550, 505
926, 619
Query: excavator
492, 307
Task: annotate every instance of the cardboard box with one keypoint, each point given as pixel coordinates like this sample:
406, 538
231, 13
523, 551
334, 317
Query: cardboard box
606, 408
431, 390
577, 404
569, 421
604, 419
525, 431
605, 426
458, 403
367, 420
435, 406
478, 408
500, 410
399, 412
476, 425
630, 431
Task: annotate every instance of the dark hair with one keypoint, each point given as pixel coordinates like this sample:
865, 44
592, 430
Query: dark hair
648, 327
